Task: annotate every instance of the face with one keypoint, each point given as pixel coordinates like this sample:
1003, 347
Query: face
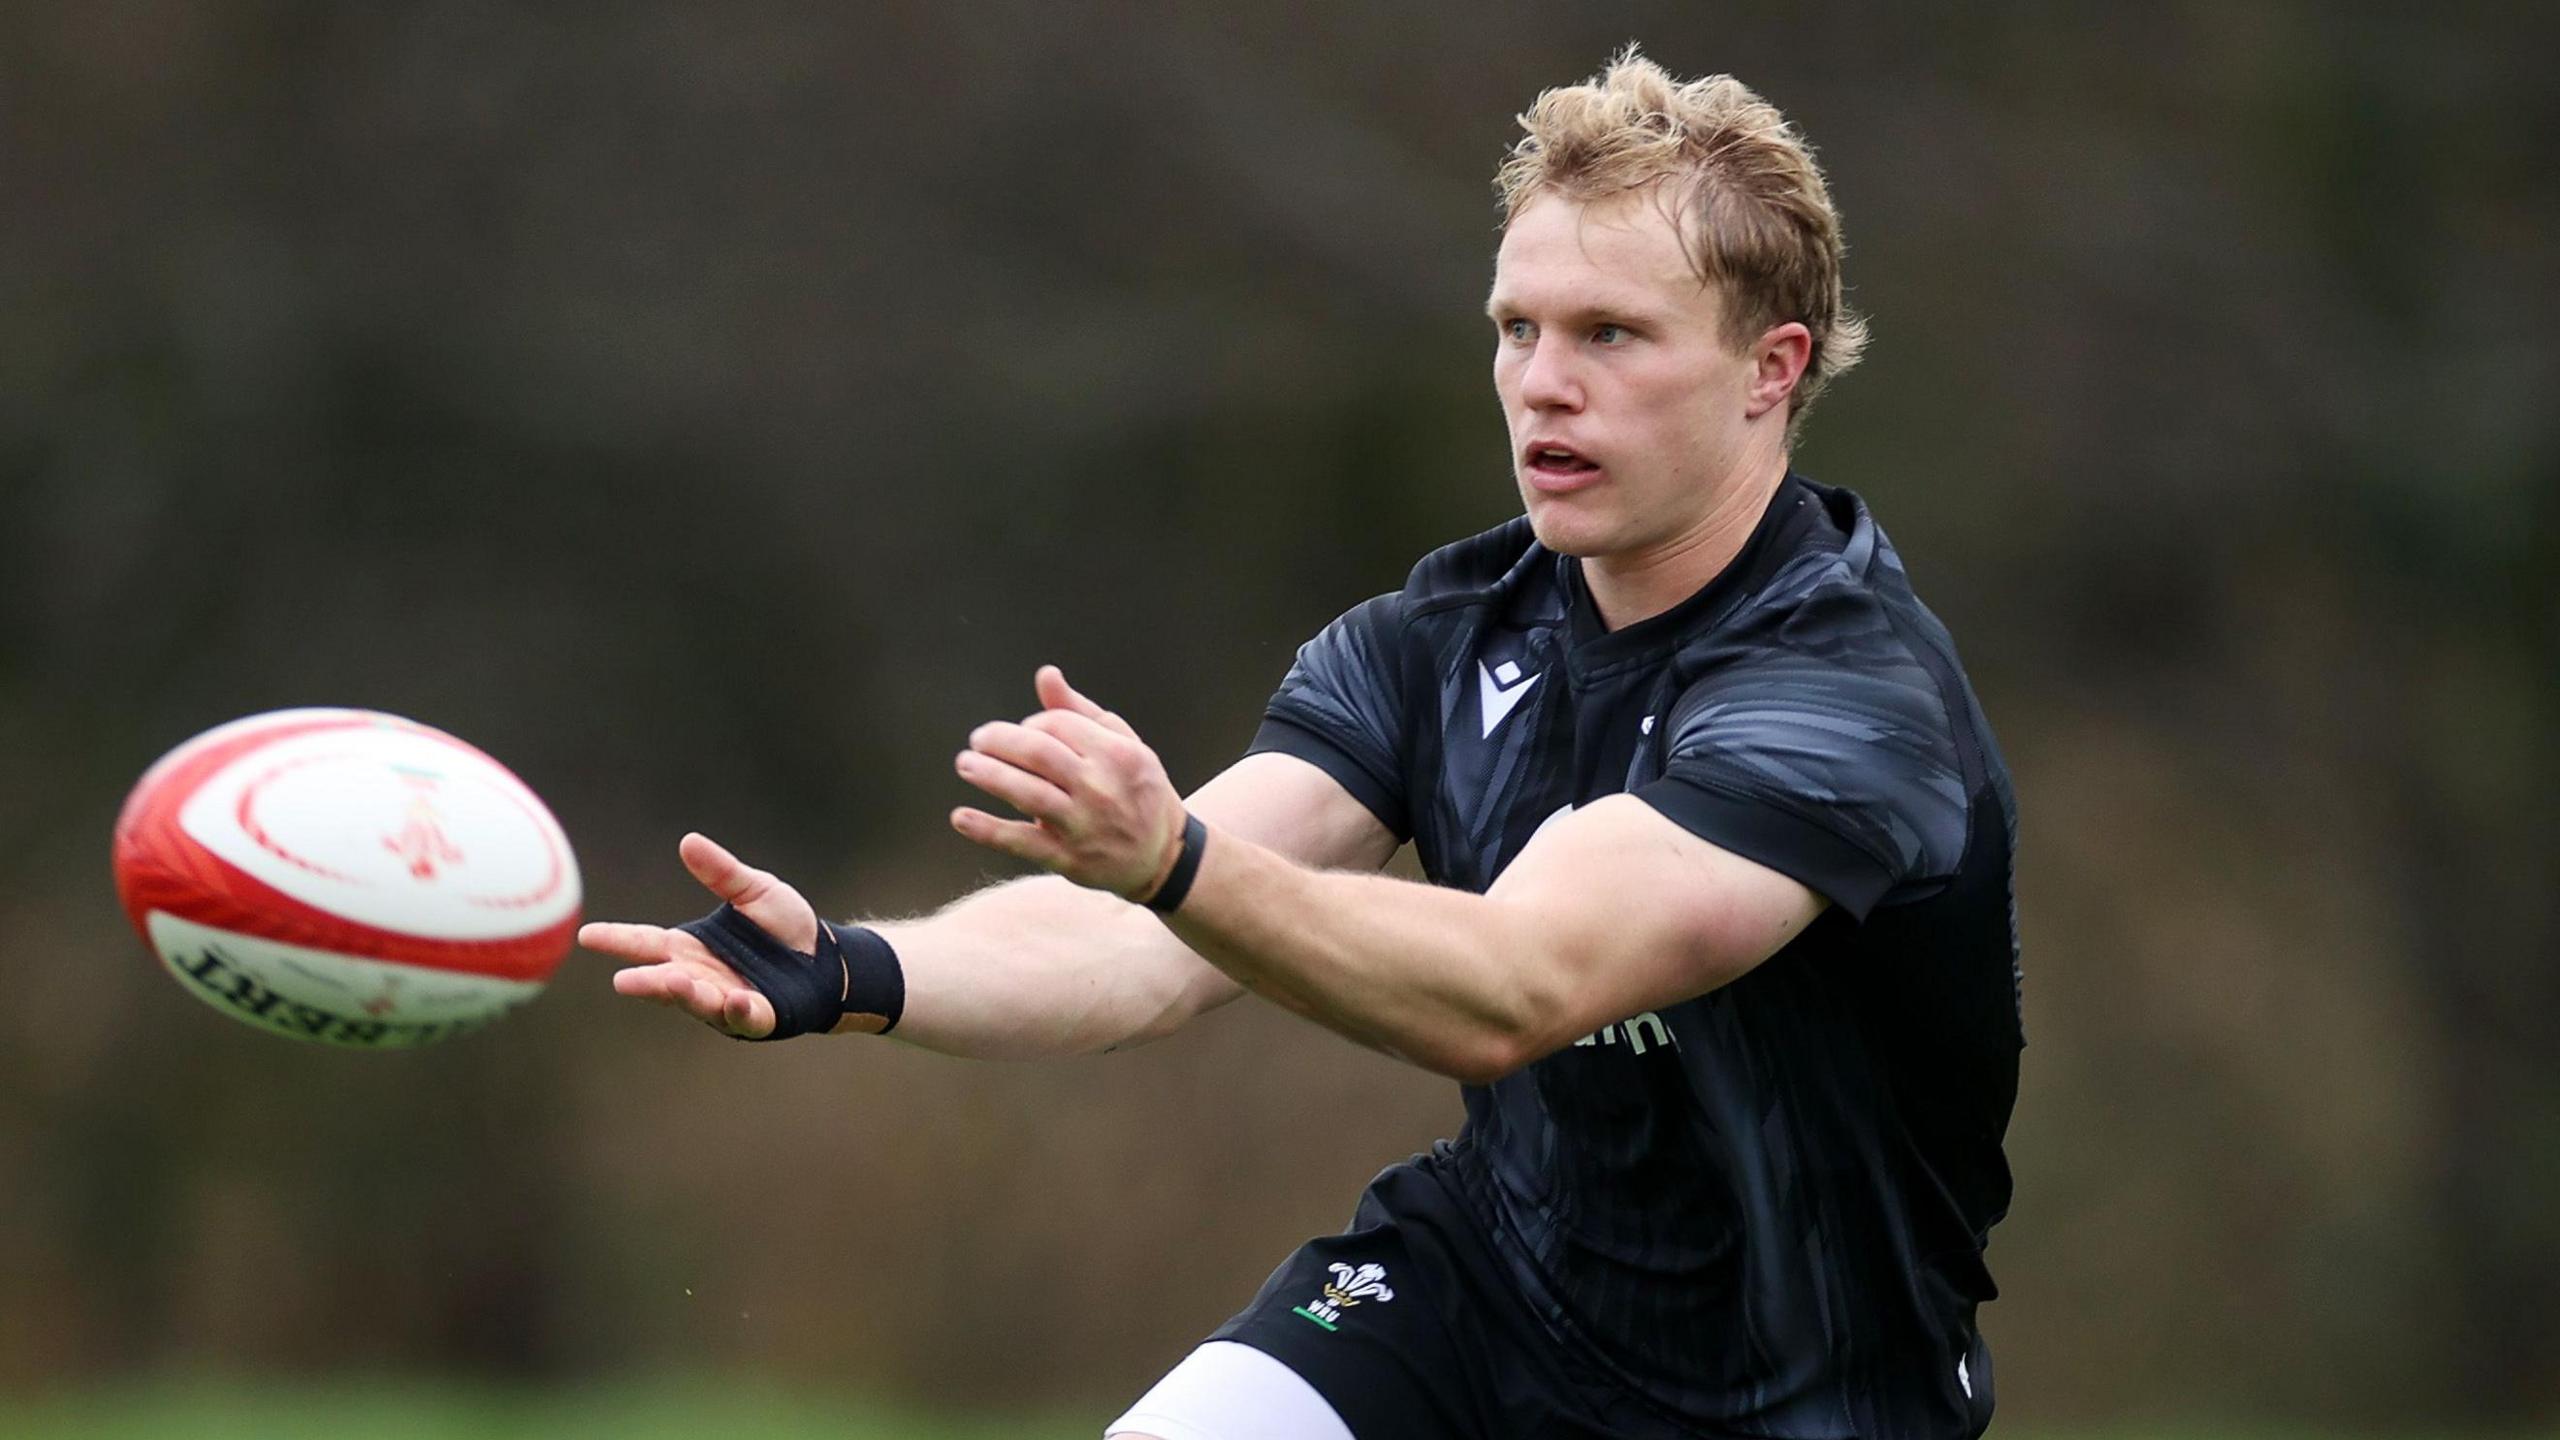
1631, 418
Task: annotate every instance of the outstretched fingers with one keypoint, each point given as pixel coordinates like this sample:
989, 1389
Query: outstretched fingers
642, 944
669, 968
672, 967
1095, 794
722, 873
1021, 839
1050, 684
1025, 792
1032, 750
679, 985
748, 1013
702, 999
757, 894
669, 982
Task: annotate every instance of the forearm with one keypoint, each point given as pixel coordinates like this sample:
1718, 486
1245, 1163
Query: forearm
1449, 980
1043, 967
1610, 910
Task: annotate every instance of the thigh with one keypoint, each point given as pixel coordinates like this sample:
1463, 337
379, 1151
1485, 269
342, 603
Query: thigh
1227, 1391
1356, 1318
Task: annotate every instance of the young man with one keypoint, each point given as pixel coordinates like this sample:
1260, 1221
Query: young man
1720, 940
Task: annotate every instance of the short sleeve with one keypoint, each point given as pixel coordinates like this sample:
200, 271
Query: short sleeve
1839, 769
1341, 709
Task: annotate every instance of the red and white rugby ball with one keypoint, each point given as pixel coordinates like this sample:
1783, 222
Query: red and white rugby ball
346, 877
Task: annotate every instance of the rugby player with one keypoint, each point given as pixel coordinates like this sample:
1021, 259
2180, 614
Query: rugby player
1718, 936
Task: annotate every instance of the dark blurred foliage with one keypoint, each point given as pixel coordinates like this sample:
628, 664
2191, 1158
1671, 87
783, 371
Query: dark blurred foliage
715, 410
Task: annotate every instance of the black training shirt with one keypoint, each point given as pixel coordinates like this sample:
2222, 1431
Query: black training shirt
1763, 1208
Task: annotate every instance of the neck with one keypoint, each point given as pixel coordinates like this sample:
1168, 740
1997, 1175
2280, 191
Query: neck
1640, 584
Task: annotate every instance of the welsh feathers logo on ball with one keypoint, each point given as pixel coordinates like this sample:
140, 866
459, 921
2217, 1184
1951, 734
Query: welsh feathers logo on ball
346, 877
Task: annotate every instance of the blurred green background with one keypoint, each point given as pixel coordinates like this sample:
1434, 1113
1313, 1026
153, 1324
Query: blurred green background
714, 411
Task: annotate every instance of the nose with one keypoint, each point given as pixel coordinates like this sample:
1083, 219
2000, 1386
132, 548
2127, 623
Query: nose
1547, 378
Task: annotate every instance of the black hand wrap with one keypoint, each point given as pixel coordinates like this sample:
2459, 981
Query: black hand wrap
855, 972
1186, 868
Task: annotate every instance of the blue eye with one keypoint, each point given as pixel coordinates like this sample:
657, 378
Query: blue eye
1609, 334
1518, 330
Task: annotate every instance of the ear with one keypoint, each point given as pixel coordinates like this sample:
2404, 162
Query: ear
1778, 359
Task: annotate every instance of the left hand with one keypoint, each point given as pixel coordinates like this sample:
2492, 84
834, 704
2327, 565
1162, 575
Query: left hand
1102, 812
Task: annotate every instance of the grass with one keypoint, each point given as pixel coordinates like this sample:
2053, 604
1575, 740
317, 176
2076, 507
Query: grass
394, 1410
694, 1410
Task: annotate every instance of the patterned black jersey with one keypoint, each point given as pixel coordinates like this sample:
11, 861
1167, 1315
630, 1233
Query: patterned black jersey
1762, 1209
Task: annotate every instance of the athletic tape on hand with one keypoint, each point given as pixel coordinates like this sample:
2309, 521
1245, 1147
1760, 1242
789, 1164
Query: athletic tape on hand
853, 972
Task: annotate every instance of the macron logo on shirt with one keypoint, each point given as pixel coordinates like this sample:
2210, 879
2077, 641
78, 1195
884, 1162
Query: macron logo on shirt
1502, 687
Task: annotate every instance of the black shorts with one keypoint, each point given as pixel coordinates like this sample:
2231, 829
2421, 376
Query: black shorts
1409, 1328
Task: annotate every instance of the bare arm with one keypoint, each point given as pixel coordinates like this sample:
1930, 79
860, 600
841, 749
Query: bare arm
1032, 967
1612, 910
1044, 966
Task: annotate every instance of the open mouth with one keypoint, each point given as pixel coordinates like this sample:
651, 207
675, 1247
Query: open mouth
1557, 464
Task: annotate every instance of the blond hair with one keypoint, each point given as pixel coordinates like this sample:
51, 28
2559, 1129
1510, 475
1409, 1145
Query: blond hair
1758, 218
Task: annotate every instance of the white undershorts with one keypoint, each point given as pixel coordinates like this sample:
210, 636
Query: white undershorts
1227, 1391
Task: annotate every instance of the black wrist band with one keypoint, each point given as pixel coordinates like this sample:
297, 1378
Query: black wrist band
874, 982
1186, 867
854, 972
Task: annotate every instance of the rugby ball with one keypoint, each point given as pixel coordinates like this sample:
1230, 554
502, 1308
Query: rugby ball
346, 877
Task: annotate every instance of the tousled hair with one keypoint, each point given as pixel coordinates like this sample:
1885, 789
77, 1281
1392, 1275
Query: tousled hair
1754, 214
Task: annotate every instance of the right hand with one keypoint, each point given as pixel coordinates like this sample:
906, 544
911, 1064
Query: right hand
670, 967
